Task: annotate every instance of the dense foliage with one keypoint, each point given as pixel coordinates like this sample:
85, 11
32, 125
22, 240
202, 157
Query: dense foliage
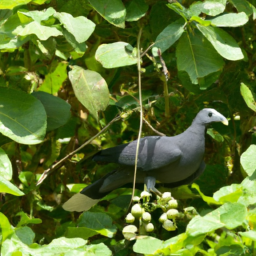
70, 67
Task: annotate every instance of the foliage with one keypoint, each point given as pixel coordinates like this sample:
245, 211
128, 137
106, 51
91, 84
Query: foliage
69, 67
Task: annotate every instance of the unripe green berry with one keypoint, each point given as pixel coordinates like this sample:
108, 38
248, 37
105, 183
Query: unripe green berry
145, 194
137, 211
136, 199
166, 196
173, 204
163, 218
169, 225
172, 214
149, 227
129, 218
146, 216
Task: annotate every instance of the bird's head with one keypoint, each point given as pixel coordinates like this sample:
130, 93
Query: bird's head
210, 115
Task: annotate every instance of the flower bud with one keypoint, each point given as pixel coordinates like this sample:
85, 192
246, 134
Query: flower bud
173, 204
145, 194
136, 199
149, 227
137, 211
169, 225
166, 196
172, 214
163, 218
146, 216
129, 218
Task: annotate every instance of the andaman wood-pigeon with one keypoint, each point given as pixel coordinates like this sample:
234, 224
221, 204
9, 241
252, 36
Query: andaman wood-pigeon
175, 161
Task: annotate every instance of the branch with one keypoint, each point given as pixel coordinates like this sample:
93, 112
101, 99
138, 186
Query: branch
47, 172
152, 128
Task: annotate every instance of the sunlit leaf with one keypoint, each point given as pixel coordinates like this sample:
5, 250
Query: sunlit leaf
7, 187
248, 160
248, 97
5, 165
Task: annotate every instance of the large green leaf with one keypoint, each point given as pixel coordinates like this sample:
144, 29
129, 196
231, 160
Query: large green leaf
54, 80
5, 165
37, 15
98, 222
228, 193
248, 97
57, 110
248, 160
111, 10
6, 228
230, 20
7, 187
76, 25
147, 245
243, 6
135, 10
42, 32
224, 44
7, 4
82, 232
90, 88
170, 35
22, 116
115, 55
190, 58
25, 234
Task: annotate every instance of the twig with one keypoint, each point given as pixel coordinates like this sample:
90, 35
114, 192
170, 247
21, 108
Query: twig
141, 112
147, 50
47, 172
152, 128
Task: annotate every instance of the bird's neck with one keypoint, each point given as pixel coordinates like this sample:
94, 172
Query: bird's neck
197, 128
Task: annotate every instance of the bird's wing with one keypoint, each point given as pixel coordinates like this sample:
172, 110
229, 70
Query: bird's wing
155, 152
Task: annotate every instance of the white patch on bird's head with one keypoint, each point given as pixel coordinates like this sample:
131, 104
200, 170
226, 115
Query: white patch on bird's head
210, 115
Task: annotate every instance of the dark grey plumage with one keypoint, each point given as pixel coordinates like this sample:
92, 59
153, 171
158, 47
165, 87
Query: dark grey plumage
176, 160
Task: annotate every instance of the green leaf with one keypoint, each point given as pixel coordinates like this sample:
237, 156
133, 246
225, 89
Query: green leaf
42, 32
243, 6
249, 195
23, 118
90, 89
224, 44
54, 80
7, 4
82, 232
76, 25
5, 166
115, 55
190, 59
170, 35
76, 188
228, 193
179, 9
27, 178
230, 20
251, 234
25, 219
25, 234
248, 160
11, 43
7, 187
135, 10
113, 11
147, 245
215, 135
6, 228
57, 110
98, 222
248, 97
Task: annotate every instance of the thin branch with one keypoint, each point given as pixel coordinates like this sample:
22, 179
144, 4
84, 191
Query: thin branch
147, 50
141, 111
47, 172
152, 128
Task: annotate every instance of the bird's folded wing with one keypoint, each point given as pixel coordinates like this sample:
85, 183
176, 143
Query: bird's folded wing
155, 152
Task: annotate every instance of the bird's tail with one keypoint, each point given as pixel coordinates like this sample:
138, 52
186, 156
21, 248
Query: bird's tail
88, 197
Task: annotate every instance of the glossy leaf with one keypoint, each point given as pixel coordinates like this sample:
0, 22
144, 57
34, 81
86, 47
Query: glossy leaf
5, 166
6, 228
248, 97
136, 9
90, 88
147, 245
115, 55
76, 25
57, 110
248, 160
223, 43
23, 118
243, 6
190, 59
98, 222
170, 35
113, 11
228, 193
7, 4
230, 20
38, 15
7, 187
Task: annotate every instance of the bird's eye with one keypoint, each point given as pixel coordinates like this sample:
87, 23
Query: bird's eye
210, 114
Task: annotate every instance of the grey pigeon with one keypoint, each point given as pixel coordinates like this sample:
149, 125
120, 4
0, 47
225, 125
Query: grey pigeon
175, 161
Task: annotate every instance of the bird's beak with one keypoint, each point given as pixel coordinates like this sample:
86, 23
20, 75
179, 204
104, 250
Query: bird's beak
225, 121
